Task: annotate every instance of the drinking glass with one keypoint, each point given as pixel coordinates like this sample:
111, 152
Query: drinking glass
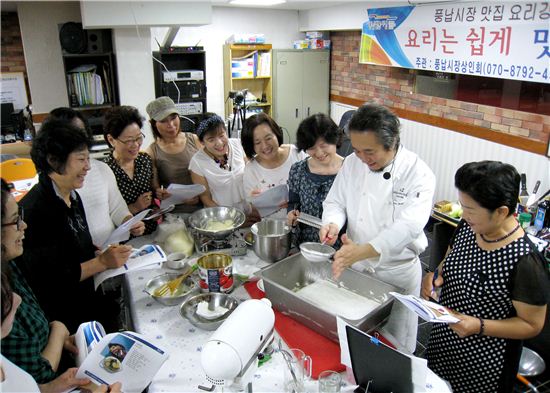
329, 382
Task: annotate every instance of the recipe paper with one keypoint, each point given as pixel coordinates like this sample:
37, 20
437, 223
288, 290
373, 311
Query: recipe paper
122, 233
181, 193
270, 201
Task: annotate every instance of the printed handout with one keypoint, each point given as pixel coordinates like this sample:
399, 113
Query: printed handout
122, 233
180, 193
270, 200
428, 311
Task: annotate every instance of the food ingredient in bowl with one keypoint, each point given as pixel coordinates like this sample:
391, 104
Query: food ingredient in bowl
180, 241
215, 225
182, 290
328, 296
205, 312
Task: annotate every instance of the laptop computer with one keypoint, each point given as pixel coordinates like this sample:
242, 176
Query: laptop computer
378, 368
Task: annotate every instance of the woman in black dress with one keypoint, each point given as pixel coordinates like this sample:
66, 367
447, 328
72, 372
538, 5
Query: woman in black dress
493, 278
133, 169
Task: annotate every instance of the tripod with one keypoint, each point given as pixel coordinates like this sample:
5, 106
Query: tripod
239, 111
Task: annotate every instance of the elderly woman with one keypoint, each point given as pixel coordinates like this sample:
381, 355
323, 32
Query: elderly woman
219, 166
495, 281
60, 257
172, 150
133, 169
100, 193
310, 180
270, 160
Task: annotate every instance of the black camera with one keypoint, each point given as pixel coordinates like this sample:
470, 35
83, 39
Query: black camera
238, 96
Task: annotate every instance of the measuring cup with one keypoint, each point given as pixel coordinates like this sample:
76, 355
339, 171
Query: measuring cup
297, 370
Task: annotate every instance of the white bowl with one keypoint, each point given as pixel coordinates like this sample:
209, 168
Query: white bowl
176, 260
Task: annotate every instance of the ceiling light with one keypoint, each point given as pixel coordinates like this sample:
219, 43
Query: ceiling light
265, 3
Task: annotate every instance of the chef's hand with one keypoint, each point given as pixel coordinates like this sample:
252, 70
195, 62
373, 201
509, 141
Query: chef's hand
115, 256
292, 217
428, 288
329, 233
467, 326
162, 193
347, 255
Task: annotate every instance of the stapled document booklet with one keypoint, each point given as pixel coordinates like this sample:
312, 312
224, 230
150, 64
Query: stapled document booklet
125, 357
428, 311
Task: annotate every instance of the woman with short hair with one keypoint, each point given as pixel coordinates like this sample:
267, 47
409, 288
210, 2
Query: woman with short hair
60, 258
493, 278
270, 159
133, 169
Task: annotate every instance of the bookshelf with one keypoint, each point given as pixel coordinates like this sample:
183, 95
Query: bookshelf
248, 66
91, 80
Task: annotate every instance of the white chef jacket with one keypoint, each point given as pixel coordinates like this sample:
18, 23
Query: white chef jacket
390, 214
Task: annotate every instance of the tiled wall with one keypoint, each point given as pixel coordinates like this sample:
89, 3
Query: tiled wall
394, 87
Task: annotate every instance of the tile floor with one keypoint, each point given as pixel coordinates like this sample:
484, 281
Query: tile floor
542, 382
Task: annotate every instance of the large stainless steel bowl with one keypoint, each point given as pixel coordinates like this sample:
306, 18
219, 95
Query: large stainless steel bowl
271, 239
200, 220
189, 309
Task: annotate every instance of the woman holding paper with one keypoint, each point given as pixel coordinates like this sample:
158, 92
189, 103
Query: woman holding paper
310, 180
493, 278
270, 160
60, 258
171, 151
133, 169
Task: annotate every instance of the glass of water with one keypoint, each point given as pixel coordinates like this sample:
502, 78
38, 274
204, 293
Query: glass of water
329, 382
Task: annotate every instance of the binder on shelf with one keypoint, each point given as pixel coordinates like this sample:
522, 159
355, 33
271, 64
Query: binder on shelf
89, 87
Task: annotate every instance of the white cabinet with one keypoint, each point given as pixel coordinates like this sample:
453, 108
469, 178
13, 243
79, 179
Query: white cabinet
300, 86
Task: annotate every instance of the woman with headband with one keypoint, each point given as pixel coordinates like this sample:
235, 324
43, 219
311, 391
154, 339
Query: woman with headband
219, 166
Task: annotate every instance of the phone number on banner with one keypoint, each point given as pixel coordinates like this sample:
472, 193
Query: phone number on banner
483, 68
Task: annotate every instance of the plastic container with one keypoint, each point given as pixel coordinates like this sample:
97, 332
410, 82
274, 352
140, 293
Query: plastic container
525, 219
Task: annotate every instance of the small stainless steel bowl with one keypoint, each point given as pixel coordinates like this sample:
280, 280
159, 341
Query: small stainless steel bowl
188, 309
157, 281
530, 364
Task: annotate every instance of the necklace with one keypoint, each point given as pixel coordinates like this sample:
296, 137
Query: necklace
501, 238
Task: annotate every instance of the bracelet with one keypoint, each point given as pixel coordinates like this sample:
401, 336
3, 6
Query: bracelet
481, 326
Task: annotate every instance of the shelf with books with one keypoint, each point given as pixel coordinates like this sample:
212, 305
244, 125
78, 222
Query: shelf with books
90, 80
247, 67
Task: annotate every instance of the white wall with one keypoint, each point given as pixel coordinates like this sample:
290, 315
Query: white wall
39, 30
341, 17
135, 70
279, 26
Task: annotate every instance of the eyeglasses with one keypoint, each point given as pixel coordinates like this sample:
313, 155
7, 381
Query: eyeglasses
137, 141
18, 223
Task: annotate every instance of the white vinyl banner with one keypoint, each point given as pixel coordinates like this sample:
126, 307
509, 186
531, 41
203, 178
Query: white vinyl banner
508, 40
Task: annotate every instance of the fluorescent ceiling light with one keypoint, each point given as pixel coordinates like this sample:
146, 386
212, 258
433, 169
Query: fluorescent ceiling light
257, 2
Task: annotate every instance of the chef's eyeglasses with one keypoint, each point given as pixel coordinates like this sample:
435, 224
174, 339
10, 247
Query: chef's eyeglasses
18, 223
130, 142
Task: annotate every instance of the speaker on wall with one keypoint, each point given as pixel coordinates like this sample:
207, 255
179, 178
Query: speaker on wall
73, 38
99, 41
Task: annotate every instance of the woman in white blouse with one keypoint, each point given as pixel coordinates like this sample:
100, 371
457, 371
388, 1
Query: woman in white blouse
270, 160
219, 165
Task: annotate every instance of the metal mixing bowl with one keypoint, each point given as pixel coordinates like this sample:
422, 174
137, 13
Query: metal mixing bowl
200, 219
530, 364
189, 309
157, 281
271, 239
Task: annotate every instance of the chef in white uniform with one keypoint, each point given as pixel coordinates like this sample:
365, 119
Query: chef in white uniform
385, 192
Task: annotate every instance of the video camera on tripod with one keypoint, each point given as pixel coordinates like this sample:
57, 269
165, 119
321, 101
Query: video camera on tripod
239, 108
238, 97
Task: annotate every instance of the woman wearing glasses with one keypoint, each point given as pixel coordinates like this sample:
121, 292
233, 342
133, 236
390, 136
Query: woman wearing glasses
133, 169
60, 258
172, 151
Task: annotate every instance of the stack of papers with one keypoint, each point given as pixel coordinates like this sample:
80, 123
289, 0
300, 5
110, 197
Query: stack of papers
428, 311
181, 193
122, 233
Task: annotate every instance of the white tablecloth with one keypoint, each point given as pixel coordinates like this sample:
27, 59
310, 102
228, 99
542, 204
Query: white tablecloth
165, 327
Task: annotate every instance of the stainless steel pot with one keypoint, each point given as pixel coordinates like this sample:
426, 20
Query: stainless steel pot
271, 239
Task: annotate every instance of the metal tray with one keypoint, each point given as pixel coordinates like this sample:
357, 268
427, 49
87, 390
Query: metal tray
281, 277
